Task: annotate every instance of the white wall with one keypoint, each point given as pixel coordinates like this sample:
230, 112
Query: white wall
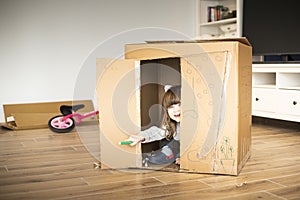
48, 47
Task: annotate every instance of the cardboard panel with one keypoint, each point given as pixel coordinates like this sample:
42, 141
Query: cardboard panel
119, 109
206, 81
245, 104
28, 120
37, 115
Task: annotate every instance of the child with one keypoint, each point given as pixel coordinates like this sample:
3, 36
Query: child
168, 134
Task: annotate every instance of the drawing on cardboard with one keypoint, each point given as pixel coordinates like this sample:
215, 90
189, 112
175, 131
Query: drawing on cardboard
213, 85
226, 154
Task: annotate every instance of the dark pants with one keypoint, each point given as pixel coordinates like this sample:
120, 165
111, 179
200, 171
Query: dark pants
167, 154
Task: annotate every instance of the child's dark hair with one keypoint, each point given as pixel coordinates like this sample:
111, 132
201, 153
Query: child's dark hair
171, 97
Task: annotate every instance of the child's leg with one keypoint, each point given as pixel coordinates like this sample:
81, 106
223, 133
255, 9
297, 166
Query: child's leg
168, 153
162, 156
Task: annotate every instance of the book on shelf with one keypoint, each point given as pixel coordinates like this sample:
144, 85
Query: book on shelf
216, 13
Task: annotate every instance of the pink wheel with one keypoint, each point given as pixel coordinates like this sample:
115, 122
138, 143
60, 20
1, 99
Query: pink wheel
56, 124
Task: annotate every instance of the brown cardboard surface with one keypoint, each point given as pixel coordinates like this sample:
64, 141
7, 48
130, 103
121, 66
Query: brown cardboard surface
37, 115
124, 117
215, 132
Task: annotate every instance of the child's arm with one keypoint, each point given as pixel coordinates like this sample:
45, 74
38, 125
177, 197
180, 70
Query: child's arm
149, 135
153, 134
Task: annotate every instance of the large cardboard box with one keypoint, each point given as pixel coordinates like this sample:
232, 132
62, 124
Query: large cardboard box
36, 115
215, 78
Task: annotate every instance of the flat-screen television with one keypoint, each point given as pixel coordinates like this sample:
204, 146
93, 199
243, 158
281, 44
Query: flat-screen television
273, 29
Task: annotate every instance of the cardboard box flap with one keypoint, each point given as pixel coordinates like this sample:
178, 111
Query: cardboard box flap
114, 87
243, 40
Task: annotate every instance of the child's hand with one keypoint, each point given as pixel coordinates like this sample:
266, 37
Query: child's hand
135, 139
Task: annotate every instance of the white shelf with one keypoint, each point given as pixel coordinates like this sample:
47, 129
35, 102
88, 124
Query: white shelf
276, 91
264, 86
267, 79
219, 22
288, 80
206, 29
289, 88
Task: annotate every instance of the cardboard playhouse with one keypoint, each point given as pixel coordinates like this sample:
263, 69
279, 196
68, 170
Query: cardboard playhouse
215, 78
36, 115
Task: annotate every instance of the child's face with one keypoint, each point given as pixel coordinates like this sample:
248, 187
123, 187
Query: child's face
174, 112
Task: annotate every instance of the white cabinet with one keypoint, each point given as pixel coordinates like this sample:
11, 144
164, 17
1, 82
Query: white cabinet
218, 18
263, 99
276, 91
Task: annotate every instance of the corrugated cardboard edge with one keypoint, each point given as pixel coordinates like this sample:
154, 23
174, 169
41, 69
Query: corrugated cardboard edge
243, 40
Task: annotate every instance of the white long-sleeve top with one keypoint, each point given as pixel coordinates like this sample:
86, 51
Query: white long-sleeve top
155, 133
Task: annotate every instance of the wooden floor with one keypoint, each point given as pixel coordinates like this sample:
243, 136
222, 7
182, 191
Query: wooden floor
39, 164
